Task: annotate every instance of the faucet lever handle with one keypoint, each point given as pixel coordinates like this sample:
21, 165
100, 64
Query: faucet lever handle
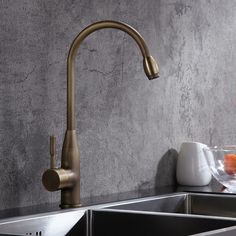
53, 152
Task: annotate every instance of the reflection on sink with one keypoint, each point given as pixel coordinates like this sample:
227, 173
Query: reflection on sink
117, 223
186, 203
50, 224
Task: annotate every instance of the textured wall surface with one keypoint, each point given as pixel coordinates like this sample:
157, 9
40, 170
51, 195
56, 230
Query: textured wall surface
129, 127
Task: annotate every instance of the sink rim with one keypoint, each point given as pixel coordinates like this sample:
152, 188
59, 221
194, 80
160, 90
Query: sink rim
167, 214
117, 203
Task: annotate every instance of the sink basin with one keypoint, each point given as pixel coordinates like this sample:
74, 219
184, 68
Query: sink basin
117, 223
186, 203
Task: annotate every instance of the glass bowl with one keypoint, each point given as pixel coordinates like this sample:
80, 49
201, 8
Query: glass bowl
222, 163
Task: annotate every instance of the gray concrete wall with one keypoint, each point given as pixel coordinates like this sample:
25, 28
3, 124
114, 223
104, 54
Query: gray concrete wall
129, 127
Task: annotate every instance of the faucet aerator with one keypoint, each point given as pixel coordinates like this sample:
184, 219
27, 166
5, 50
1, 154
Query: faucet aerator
150, 67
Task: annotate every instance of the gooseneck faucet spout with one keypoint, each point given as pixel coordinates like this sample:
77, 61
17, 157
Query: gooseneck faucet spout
149, 64
67, 178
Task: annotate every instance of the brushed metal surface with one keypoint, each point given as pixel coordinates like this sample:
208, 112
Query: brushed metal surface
188, 203
67, 178
172, 214
46, 225
229, 231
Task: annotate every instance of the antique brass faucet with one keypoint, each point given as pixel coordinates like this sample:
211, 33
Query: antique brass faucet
67, 178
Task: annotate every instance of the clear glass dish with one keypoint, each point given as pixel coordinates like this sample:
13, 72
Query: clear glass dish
222, 163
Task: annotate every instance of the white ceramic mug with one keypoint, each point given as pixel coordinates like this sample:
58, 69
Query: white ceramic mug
192, 167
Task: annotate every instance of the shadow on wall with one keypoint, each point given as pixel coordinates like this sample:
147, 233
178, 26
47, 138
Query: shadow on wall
166, 169
165, 174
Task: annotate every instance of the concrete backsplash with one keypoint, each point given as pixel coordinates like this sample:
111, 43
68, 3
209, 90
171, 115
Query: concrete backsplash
129, 128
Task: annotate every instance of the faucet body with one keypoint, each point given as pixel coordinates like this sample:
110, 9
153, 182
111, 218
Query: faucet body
67, 178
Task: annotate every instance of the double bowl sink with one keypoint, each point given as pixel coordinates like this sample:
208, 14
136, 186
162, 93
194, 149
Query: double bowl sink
174, 214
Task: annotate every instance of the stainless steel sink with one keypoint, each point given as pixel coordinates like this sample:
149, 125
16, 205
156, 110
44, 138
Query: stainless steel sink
186, 203
117, 223
176, 214
57, 223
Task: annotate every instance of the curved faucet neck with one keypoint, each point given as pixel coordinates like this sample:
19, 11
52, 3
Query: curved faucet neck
148, 60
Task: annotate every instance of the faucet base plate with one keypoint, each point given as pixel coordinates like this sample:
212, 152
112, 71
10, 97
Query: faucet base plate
66, 206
